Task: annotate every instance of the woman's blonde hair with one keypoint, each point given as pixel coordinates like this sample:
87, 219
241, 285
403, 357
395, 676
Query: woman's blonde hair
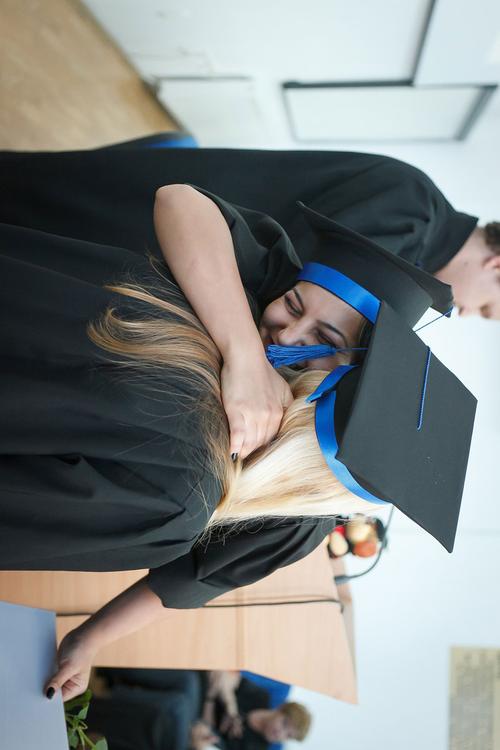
288, 477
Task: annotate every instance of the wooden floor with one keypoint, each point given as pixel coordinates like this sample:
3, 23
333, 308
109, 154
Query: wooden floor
64, 84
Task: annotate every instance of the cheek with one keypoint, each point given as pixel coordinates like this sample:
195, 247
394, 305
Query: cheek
280, 733
471, 290
328, 363
274, 316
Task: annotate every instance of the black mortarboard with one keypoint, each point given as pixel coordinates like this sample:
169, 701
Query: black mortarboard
407, 289
364, 275
398, 427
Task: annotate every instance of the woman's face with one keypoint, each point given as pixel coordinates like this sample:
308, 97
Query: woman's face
278, 728
308, 315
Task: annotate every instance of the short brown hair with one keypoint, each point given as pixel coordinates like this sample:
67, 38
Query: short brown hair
299, 716
492, 236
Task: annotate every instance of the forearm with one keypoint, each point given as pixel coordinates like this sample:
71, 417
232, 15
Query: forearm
222, 686
197, 245
198, 248
208, 712
131, 610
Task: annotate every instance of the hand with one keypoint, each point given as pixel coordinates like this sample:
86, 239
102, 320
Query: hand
232, 726
254, 396
202, 736
74, 659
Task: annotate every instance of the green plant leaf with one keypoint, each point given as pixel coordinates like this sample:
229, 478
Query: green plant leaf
76, 725
83, 713
82, 739
101, 745
80, 700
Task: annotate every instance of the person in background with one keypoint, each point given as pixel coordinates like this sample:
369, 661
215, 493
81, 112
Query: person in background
154, 709
239, 711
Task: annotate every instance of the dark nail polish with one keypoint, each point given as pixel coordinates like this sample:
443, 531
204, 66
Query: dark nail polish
50, 693
234, 456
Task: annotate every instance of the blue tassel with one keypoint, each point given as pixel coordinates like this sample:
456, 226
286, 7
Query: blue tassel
279, 356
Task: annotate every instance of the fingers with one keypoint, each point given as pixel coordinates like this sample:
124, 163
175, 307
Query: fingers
237, 732
250, 430
237, 431
58, 680
72, 688
254, 407
69, 682
225, 724
236, 729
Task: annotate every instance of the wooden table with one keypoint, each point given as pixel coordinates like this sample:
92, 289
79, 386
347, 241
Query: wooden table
302, 644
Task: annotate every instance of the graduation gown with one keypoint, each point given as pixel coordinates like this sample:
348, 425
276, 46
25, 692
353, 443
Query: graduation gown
97, 471
106, 195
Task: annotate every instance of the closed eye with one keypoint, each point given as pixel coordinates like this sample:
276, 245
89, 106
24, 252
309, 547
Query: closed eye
320, 337
291, 307
323, 340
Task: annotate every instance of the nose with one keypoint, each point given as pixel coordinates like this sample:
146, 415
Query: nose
292, 335
465, 312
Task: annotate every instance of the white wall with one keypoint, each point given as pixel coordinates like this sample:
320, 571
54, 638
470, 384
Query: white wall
408, 612
265, 42
421, 601
272, 38
260, 44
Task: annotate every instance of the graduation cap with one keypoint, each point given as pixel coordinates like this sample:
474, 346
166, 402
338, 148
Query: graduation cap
397, 429
363, 275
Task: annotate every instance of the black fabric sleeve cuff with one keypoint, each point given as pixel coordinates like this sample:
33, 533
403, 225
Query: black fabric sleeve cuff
182, 590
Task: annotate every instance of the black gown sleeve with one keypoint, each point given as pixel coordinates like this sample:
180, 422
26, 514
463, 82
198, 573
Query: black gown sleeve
395, 205
106, 196
267, 261
237, 559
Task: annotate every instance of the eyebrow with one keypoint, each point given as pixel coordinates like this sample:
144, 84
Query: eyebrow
322, 322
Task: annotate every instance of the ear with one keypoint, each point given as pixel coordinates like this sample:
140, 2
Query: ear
492, 263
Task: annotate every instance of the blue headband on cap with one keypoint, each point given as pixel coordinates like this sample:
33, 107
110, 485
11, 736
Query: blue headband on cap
325, 397
343, 287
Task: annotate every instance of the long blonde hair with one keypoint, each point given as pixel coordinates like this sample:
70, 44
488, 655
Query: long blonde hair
288, 477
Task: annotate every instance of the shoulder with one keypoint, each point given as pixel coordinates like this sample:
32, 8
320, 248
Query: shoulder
401, 173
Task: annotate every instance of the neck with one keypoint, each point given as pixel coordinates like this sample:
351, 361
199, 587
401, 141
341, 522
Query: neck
475, 247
